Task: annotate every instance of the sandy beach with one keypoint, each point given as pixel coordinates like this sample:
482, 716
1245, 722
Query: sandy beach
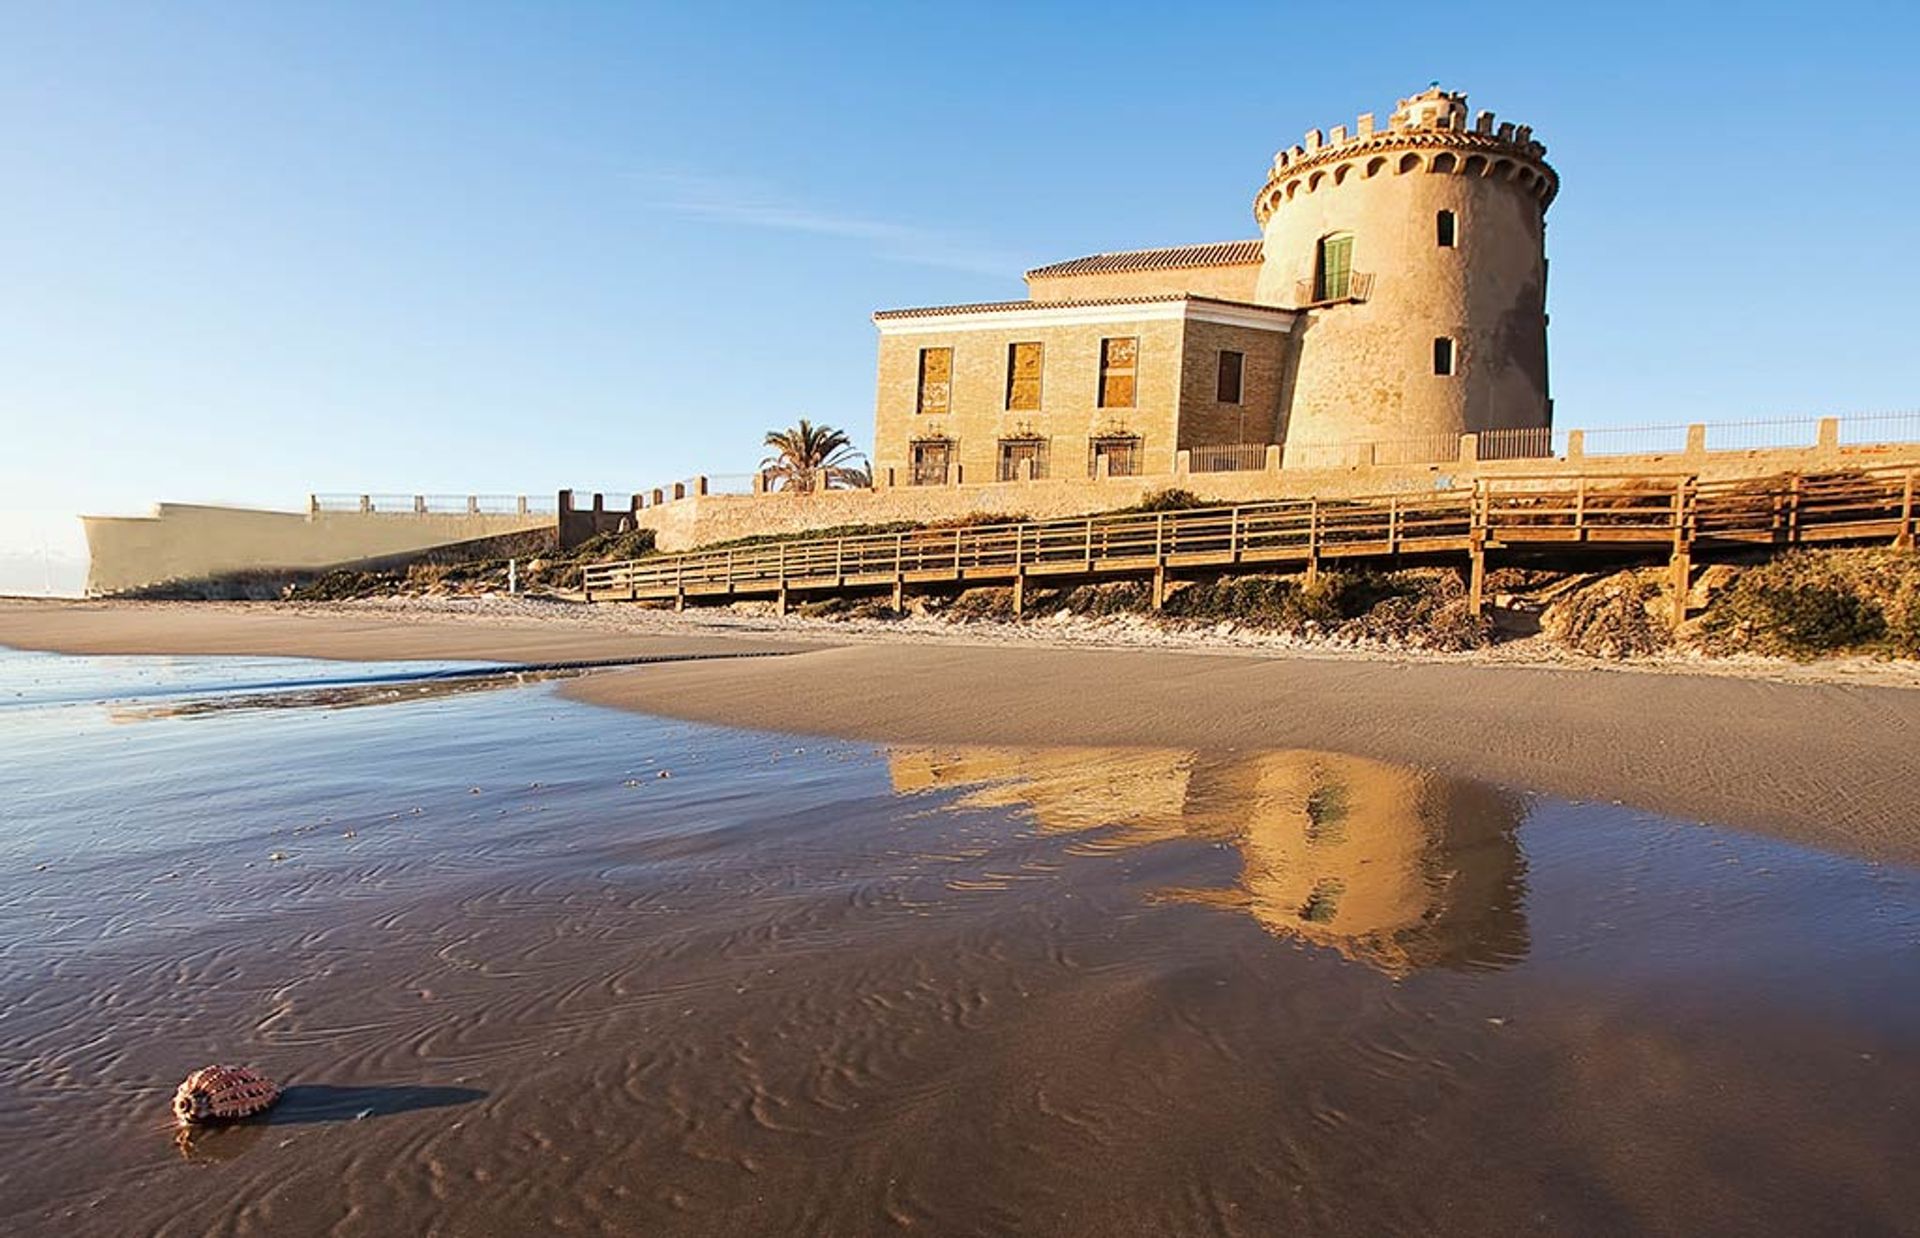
1827, 755
1042, 937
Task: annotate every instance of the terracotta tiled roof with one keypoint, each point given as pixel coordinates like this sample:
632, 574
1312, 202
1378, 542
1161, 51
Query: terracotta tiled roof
1216, 254
989, 307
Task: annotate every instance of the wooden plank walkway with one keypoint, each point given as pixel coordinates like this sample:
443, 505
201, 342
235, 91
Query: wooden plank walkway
1675, 516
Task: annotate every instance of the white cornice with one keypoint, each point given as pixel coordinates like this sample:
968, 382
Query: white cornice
1258, 317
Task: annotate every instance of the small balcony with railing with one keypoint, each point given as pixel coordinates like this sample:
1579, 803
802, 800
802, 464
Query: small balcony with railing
1333, 288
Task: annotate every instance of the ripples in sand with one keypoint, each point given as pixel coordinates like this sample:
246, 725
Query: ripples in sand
515, 982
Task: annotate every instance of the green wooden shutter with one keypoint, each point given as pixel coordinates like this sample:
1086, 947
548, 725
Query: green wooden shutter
1336, 268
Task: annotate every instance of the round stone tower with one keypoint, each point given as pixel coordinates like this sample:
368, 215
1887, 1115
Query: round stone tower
1417, 255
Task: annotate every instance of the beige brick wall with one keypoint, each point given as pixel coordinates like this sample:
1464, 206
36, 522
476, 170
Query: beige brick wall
1204, 420
1069, 406
1229, 283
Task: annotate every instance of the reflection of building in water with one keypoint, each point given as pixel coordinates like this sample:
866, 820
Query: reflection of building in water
1396, 867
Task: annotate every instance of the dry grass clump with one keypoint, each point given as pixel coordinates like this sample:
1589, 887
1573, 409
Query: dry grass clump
1418, 608
1172, 499
850, 608
1624, 615
1806, 603
1427, 610
1095, 601
984, 603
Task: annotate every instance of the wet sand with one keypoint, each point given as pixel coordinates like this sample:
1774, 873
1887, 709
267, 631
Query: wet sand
519, 983
1831, 765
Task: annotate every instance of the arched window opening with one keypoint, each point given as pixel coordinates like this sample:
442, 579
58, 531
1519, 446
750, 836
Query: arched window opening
1446, 228
1443, 359
1333, 269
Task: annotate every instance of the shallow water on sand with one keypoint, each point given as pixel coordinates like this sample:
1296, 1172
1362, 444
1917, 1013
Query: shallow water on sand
518, 981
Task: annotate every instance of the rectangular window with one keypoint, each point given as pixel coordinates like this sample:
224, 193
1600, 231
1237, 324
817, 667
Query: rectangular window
1442, 356
1334, 277
1226, 387
936, 381
931, 458
1119, 362
1021, 458
1023, 377
1444, 225
1120, 452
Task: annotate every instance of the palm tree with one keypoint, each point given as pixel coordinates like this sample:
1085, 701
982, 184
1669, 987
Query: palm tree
809, 457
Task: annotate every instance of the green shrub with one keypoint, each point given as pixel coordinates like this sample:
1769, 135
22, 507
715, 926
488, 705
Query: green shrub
1172, 499
1807, 603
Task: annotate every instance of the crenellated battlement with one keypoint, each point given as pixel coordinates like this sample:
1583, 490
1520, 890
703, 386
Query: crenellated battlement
1431, 132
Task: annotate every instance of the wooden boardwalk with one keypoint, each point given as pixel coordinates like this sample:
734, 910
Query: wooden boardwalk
1555, 520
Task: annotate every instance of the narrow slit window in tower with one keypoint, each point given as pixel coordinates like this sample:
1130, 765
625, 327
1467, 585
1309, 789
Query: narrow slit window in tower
1333, 274
1442, 356
1445, 226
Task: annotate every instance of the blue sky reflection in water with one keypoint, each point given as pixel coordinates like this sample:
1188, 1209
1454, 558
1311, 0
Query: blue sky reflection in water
812, 986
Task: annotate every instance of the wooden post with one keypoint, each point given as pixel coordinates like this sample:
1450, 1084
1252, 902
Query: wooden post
1682, 564
1580, 512
1313, 540
1903, 540
1019, 570
1477, 577
1160, 559
1393, 524
899, 571
1233, 535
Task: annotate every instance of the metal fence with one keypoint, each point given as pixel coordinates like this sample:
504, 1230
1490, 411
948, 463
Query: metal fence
436, 504
1866, 428
1634, 441
1762, 435
1529, 443
1228, 458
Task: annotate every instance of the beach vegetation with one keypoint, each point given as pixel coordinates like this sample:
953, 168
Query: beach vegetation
1810, 603
1624, 615
1172, 499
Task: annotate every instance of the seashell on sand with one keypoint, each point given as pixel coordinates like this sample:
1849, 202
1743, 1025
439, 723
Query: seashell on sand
222, 1094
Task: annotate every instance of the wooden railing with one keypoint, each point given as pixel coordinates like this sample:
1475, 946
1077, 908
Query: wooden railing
1506, 513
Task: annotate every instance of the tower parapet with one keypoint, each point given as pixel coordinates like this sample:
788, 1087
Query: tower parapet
1431, 129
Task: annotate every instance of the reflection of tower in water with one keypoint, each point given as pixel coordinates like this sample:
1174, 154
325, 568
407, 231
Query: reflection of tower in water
1400, 868
1392, 866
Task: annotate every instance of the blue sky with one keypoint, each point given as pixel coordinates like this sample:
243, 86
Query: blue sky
250, 250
